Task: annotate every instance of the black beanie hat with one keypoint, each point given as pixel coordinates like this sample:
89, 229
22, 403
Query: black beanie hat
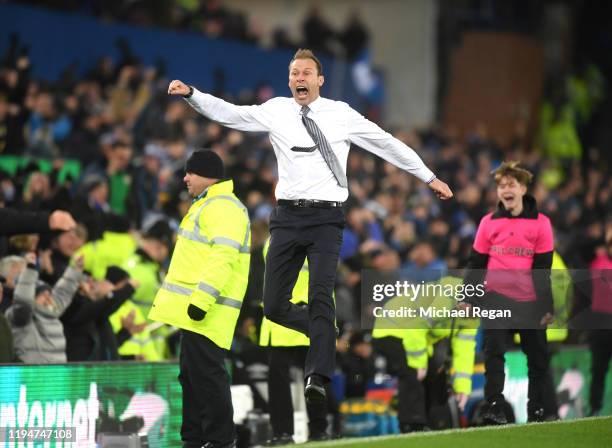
41, 286
160, 231
206, 164
115, 274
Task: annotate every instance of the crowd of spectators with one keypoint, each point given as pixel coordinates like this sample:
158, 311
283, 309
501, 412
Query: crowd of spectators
215, 20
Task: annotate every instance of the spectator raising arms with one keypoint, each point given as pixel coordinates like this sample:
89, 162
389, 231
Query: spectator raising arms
38, 333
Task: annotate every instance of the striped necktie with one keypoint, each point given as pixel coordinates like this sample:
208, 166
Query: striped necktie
324, 147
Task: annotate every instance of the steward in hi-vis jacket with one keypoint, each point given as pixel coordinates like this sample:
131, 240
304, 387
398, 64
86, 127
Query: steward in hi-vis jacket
410, 350
202, 294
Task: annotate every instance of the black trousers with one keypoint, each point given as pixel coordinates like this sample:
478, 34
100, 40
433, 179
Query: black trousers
601, 354
524, 315
414, 396
535, 347
297, 234
280, 360
207, 401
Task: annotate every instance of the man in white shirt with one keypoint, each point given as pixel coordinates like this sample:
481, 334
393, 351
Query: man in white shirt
311, 137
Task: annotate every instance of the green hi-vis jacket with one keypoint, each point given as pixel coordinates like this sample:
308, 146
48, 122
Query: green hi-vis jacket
419, 339
209, 267
275, 335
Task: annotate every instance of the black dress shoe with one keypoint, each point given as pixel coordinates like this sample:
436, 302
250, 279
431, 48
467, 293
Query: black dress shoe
283, 439
495, 415
414, 427
319, 437
536, 415
231, 444
314, 390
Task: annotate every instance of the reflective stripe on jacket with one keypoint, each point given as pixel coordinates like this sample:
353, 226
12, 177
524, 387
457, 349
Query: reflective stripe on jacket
419, 335
209, 267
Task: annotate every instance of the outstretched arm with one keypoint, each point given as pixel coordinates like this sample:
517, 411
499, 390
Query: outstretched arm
14, 222
372, 138
242, 118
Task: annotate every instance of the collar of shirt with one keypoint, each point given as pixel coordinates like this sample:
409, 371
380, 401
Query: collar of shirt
315, 106
200, 196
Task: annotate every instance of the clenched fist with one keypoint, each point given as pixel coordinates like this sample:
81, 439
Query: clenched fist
60, 220
441, 190
178, 87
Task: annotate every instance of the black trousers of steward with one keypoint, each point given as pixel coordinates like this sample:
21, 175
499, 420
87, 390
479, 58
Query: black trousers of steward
208, 414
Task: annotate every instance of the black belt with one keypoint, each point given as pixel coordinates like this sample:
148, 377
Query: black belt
311, 203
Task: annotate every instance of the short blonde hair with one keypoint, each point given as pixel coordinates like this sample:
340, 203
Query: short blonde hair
305, 53
512, 169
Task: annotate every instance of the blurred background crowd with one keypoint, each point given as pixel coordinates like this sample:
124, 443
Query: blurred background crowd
217, 19
109, 146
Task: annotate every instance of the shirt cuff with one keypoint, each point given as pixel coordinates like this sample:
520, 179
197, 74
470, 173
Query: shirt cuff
199, 100
190, 94
422, 173
431, 180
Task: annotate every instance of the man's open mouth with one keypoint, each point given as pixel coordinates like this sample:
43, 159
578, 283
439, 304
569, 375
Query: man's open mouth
301, 90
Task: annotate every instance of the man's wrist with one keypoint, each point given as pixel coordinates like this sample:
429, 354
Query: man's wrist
188, 95
431, 180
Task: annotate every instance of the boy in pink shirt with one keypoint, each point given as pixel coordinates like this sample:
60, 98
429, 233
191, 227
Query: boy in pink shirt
515, 247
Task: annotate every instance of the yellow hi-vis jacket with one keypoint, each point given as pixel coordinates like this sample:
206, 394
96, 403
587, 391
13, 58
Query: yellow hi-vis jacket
419, 340
146, 345
209, 266
275, 335
148, 274
562, 292
141, 345
112, 250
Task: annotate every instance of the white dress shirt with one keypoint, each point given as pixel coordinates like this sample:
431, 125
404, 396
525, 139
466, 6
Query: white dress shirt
305, 175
